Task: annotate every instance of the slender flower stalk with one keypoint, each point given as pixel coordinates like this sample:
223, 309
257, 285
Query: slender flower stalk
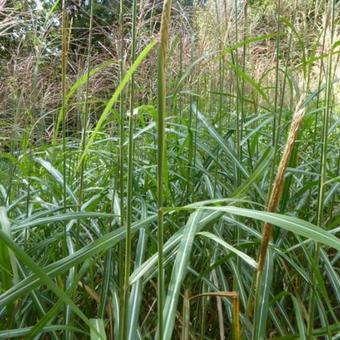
128, 239
86, 104
64, 37
238, 94
64, 41
121, 155
161, 138
277, 76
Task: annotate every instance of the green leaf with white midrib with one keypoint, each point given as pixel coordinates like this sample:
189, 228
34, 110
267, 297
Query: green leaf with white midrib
332, 274
98, 326
7, 257
21, 332
178, 273
299, 318
230, 248
36, 299
115, 310
262, 299
20, 254
80, 82
116, 95
58, 218
53, 312
137, 289
289, 223
57, 175
228, 151
100, 245
220, 141
259, 171
170, 244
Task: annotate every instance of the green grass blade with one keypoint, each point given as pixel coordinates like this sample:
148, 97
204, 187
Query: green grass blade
221, 142
137, 288
169, 245
299, 318
178, 273
73, 89
20, 254
57, 176
116, 95
100, 245
260, 169
262, 299
292, 224
24, 331
98, 326
35, 221
9, 268
250, 261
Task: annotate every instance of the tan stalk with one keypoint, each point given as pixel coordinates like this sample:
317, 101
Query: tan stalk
186, 315
235, 309
278, 184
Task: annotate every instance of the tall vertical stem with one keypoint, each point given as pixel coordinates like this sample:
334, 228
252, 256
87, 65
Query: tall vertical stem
64, 37
276, 96
323, 168
237, 85
161, 153
64, 42
125, 301
121, 157
86, 104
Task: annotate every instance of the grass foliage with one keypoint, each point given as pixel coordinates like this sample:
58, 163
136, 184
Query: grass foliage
170, 171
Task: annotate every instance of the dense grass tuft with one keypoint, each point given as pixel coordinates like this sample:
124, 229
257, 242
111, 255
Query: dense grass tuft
170, 179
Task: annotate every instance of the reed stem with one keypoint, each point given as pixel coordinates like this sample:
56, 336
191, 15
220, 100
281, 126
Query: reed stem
128, 239
323, 170
86, 105
64, 37
161, 140
121, 160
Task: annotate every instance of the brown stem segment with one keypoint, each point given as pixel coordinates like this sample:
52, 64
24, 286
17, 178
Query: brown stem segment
235, 309
278, 184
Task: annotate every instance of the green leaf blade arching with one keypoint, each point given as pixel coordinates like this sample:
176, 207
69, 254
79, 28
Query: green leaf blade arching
116, 95
178, 273
289, 223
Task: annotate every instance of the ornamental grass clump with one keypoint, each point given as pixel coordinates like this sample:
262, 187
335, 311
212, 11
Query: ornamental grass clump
169, 179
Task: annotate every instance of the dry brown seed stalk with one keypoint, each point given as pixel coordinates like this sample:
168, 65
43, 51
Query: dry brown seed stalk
278, 184
235, 310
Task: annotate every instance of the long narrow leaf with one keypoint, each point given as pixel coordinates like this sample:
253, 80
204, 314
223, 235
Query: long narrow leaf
292, 224
116, 95
178, 273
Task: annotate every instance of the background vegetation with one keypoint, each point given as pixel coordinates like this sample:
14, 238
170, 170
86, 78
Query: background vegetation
171, 179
